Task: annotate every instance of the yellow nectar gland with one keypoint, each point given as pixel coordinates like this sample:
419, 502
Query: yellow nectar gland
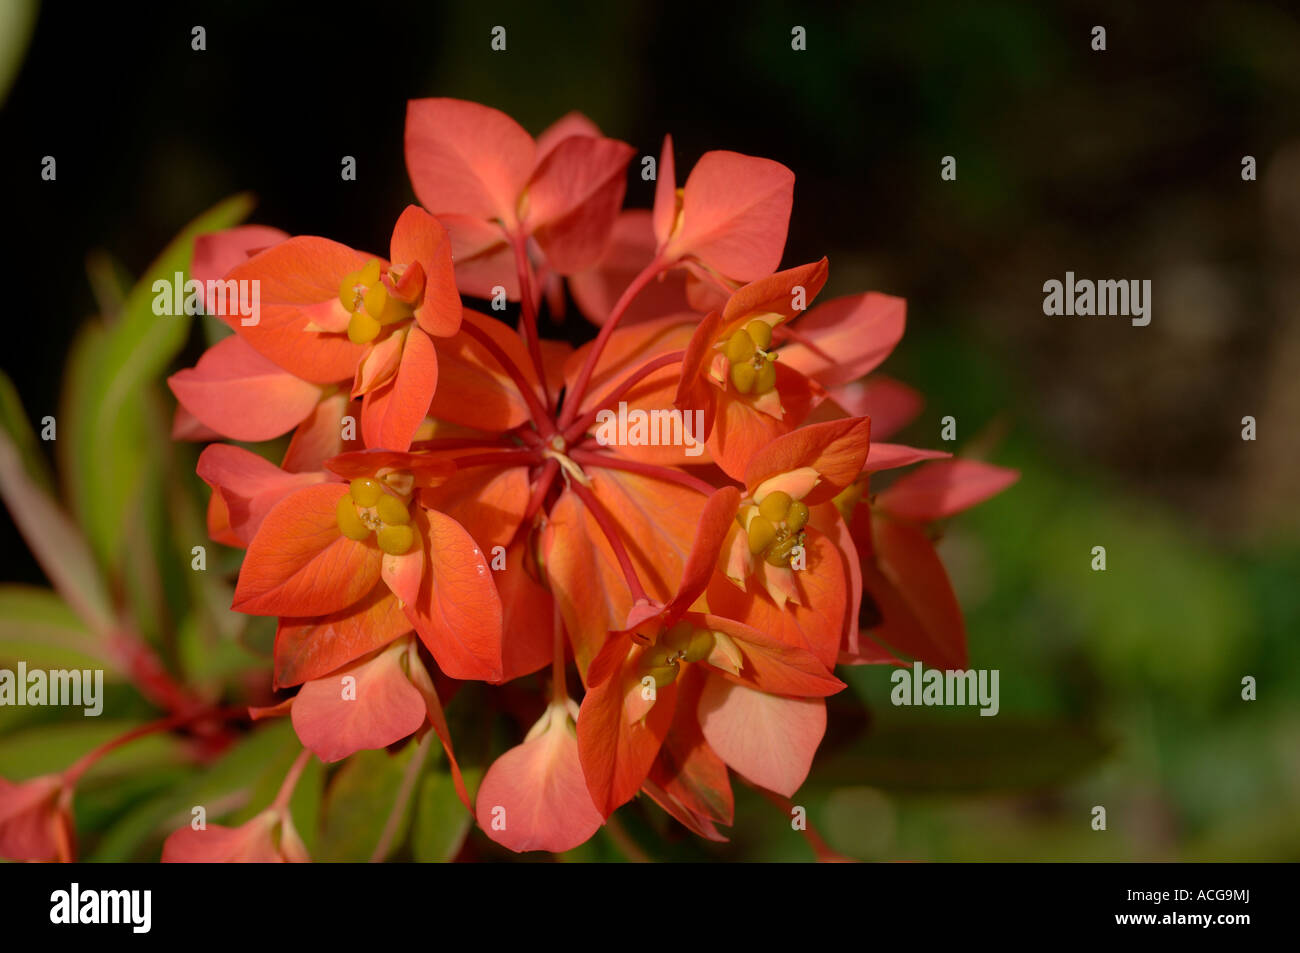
775, 527
752, 370
364, 294
368, 508
682, 643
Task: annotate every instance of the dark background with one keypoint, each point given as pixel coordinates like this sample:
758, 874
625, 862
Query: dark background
1117, 164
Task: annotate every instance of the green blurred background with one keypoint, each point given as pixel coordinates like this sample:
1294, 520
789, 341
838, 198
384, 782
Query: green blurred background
1120, 689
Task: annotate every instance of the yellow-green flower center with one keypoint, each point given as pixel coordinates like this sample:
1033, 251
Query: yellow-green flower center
372, 305
684, 642
775, 527
369, 507
752, 367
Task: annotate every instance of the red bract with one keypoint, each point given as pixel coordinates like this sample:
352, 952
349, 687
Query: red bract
631, 248
236, 388
36, 820
534, 797
680, 505
909, 604
730, 218
269, 838
495, 188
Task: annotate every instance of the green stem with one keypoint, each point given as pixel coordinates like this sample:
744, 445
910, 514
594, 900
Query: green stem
403, 798
281, 802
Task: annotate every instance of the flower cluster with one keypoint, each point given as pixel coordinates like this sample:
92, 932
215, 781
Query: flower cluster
455, 504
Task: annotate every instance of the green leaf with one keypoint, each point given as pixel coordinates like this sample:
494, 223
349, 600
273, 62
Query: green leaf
13, 419
147, 556
305, 804
210, 637
441, 821
358, 802
105, 452
54, 540
47, 749
17, 18
211, 662
109, 281
98, 808
37, 627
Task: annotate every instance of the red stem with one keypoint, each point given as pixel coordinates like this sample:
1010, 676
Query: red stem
574, 400
615, 540
667, 474
541, 416
528, 320
290, 782
711, 276
500, 458
579, 427
83, 764
148, 674
458, 443
545, 478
